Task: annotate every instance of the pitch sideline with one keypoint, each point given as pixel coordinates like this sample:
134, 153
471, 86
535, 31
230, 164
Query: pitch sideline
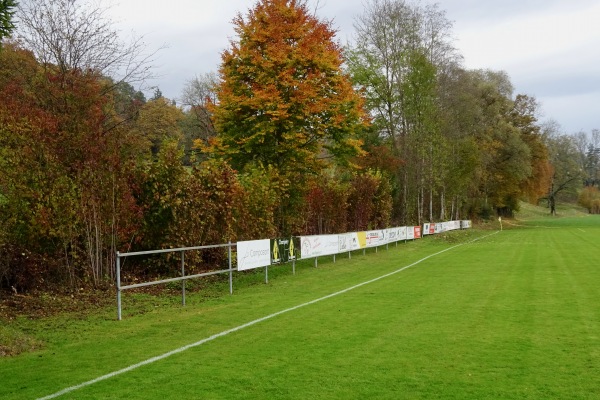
254, 322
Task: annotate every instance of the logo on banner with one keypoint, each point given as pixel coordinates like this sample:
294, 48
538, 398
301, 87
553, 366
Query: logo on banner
275, 255
291, 255
343, 242
282, 250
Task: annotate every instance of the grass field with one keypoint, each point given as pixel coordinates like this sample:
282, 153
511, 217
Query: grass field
514, 315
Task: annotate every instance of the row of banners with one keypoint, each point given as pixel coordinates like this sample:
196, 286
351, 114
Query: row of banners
261, 253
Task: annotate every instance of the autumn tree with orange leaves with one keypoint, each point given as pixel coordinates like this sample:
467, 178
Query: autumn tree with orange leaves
284, 101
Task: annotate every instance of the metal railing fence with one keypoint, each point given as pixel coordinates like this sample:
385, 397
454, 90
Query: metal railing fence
183, 278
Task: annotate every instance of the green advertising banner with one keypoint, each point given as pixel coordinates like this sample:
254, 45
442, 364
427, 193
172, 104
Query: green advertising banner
284, 250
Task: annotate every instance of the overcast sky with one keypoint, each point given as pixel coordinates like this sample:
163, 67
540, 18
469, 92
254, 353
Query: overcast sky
549, 48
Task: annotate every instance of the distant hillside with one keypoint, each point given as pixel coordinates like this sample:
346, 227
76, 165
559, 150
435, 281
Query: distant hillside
529, 211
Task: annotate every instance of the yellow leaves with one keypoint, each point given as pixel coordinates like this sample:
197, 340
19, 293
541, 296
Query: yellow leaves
159, 120
356, 145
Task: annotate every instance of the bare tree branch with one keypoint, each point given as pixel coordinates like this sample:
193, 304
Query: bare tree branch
78, 35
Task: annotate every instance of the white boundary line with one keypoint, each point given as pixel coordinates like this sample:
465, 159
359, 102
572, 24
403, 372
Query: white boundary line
240, 327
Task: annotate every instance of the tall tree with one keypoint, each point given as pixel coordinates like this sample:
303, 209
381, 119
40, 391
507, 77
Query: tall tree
284, 101
402, 51
283, 97
505, 159
460, 112
198, 94
567, 170
523, 117
158, 120
591, 157
422, 144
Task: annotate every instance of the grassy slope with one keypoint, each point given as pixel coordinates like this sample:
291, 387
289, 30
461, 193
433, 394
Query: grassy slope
511, 316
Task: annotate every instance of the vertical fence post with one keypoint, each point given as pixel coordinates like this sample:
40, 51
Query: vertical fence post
334, 258
230, 271
294, 266
118, 286
267, 274
349, 255
183, 280
315, 262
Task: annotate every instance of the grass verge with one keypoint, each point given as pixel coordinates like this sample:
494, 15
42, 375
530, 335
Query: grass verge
511, 316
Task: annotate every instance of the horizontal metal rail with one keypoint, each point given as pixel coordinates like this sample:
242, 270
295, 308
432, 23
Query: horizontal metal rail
148, 252
177, 279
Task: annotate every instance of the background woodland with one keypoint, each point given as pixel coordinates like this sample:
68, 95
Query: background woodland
295, 134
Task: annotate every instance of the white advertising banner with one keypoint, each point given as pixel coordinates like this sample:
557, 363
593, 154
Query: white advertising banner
319, 245
392, 235
426, 228
396, 234
253, 254
465, 224
410, 232
376, 238
349, 242
402, 233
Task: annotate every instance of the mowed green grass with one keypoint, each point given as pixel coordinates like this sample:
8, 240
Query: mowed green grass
515, 315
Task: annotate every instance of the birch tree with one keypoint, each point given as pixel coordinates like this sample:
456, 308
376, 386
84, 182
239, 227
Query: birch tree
401, 51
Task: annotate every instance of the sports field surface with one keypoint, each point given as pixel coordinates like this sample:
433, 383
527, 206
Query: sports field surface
477, 314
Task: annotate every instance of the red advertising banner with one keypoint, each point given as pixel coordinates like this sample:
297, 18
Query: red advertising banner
417, 232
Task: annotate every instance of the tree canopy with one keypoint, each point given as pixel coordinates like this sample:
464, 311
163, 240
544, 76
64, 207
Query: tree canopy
284, 100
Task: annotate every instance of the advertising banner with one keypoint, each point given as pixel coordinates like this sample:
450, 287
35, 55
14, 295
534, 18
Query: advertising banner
465, 224
319, 245
392, 235
351, 241
396, 234
253, 254
428, 229
417, 230
402, 233
410, 232
376, 238
362, 239
283, 250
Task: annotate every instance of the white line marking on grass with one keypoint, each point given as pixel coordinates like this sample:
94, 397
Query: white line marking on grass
240, 327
